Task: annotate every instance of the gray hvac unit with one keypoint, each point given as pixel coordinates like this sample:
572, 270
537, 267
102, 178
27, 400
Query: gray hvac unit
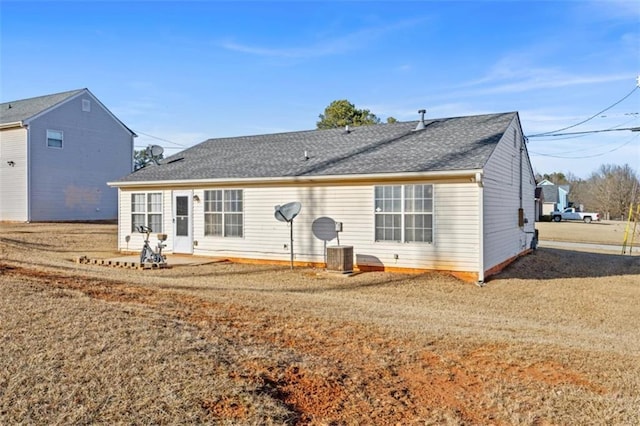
340, 259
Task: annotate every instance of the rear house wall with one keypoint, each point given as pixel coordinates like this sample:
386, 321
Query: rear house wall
455, 244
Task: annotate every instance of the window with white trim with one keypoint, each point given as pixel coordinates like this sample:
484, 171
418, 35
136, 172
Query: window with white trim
224, 213
404, 213
146, 209
54, 138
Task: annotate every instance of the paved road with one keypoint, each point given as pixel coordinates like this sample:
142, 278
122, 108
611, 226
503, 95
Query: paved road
586, 246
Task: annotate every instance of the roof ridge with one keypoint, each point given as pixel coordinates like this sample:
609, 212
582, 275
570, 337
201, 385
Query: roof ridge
69, 92
355, 128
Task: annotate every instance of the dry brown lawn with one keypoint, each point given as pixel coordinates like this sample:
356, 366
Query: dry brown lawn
553, 339
604, 232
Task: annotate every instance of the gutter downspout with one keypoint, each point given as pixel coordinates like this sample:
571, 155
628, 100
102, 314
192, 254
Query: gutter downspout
515, 134
480, 229
521, 214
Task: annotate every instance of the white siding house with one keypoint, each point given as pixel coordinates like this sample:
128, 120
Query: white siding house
555, 197
57, 153
456, 196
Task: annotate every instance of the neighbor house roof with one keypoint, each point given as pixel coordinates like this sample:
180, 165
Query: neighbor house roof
550, 193
447, 144
21, 110
17, 113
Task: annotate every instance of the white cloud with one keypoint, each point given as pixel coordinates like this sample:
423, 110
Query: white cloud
515, 74
324, 47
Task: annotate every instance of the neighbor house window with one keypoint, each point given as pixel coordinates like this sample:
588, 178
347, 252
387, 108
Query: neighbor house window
54, 139
223, 213
146, 209
404, 213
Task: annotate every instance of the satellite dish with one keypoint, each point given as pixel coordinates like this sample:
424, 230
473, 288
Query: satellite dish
155, 152
324, 228
287, 212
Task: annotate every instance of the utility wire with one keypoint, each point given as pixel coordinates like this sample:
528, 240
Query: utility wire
584, 121
586, 133
587, 156
161, 139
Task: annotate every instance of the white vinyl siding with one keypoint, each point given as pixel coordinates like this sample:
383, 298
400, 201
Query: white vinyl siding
454, 247
503, 237
13, 177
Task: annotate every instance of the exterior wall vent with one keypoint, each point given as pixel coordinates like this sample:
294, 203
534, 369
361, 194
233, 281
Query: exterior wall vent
340, 259
86, 105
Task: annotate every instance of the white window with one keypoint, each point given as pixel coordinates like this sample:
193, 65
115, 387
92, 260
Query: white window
223, 213
86, 105
404, 213
146, 209
54, 139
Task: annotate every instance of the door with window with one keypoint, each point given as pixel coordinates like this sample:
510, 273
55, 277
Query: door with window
182, 222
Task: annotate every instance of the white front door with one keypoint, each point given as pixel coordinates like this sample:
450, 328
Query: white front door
182, 226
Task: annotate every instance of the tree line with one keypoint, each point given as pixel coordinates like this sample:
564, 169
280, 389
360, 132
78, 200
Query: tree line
610, 190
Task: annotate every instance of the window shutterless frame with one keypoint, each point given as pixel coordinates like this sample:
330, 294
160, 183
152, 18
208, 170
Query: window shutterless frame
403, 213
224, 213
146, 209
55, 139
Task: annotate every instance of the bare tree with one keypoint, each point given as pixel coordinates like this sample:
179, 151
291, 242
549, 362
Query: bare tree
613, 189
579, 192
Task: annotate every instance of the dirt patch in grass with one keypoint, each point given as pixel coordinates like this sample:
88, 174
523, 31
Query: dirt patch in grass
553, 339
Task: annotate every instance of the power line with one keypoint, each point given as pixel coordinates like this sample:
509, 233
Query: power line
587, 156
633, 129
581, 135
161, 139
588, 119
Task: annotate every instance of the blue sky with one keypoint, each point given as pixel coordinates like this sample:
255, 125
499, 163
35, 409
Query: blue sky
186, 71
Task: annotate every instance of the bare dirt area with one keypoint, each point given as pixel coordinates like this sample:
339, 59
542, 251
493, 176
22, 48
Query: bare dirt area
553, 339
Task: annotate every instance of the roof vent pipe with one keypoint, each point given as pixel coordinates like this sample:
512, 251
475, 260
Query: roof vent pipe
421, 124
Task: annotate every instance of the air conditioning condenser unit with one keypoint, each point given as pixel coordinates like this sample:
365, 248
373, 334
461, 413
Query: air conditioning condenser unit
340, 259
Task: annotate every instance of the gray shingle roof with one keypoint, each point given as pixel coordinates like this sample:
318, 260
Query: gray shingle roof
20, 110
550, 193
461, 143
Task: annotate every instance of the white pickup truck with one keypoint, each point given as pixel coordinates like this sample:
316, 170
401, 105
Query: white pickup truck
571, 213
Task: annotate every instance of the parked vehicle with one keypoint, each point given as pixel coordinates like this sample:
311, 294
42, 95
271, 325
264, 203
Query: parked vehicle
571, 213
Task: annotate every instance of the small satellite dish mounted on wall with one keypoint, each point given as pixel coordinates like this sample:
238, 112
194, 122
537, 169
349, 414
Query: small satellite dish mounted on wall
286, 213
154, 152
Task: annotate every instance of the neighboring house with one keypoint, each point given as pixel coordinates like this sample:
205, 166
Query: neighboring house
563, 197
57, 153
456, 196
556, 197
